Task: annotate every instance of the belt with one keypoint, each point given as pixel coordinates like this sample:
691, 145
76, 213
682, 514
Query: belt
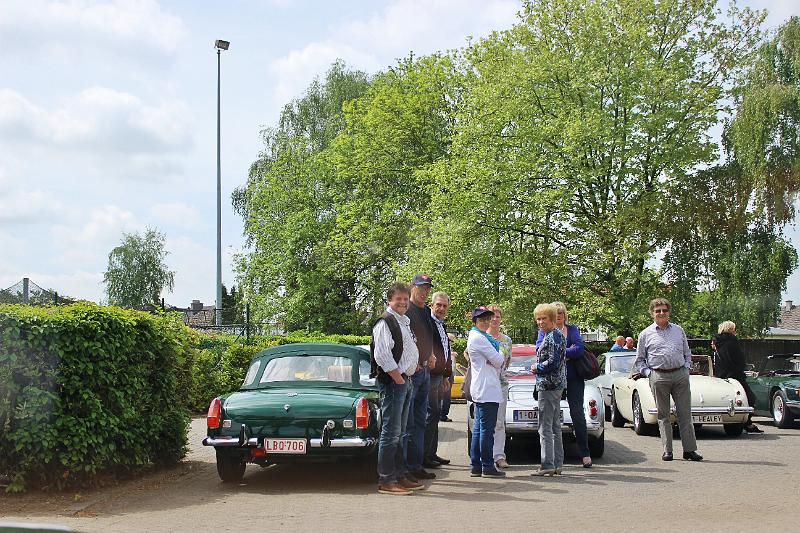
668, 369
404, 376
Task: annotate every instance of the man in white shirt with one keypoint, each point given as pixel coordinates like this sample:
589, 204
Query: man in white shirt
395, 357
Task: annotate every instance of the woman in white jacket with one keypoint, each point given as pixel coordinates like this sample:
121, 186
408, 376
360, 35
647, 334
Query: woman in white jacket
485, 362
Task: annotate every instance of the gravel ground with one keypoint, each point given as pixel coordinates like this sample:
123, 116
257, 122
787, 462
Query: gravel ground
743, 483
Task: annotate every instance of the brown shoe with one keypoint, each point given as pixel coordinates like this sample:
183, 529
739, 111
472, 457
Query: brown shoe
410, 485
393, 488
501, 463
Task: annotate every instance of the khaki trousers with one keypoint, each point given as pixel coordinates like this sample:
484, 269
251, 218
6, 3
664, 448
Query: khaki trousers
675, 384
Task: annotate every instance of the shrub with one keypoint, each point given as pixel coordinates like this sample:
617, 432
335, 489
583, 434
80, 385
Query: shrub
87, 390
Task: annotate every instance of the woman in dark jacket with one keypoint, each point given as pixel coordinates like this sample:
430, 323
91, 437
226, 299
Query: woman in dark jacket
730, 364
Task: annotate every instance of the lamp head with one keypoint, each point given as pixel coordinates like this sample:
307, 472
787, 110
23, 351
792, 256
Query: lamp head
222, 45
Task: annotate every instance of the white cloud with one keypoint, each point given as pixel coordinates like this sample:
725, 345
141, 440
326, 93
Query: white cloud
425, 26
70, 27
23, 206
97, 118
176, 214
422, 26
296, 70
87, 243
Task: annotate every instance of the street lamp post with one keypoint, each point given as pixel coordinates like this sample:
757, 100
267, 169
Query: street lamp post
220, 46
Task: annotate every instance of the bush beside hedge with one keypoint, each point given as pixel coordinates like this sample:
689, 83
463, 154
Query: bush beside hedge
87, 390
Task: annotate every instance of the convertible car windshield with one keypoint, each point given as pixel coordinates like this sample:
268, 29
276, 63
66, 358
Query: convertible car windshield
309, 368
782, 365
622, 363
521, 364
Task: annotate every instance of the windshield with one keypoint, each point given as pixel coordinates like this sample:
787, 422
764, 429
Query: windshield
521, 364
621, 363
783, 365
700, 366
309, 368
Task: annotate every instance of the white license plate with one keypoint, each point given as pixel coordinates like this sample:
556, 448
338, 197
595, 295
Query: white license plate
285, 446
526, 416
707, 419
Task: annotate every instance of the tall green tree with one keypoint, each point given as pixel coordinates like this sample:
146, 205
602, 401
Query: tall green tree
765, 134
728, 241
288, 207
137, 273
575, 135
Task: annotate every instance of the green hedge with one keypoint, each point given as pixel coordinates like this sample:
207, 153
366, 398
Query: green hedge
88, 391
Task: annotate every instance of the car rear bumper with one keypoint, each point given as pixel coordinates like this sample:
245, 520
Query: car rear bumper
230, 442
710, 411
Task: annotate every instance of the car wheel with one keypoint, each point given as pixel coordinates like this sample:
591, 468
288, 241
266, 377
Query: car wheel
230, 468
597, 446
733, 430
780, 414
616, 417
639, 425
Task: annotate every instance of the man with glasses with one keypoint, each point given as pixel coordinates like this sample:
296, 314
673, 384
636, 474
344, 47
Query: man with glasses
663, 356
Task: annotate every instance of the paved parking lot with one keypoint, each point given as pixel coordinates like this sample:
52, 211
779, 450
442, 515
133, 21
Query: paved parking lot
747, 483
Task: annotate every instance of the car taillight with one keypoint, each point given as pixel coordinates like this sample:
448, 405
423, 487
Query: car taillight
739, 402
212, 420
593, 408
362, 413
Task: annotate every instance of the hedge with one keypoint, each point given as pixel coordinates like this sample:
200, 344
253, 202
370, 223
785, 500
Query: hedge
89, 391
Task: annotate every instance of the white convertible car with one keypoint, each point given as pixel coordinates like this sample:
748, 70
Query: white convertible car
613, 365
715, 401
522, 409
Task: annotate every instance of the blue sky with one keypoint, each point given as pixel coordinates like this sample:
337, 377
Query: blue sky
108, 116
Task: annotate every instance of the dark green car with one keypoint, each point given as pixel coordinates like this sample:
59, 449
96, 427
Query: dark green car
777, 388
297, 403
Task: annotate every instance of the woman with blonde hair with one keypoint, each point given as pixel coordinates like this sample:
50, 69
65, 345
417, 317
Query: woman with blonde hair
730, 364
550, 382
575, 384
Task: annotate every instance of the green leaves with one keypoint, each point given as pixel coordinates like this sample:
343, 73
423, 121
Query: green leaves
136, 273
80, 384
561, 159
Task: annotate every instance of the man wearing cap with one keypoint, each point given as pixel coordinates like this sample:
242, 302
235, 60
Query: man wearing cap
422, 325
440, 303
394, 358
664, 357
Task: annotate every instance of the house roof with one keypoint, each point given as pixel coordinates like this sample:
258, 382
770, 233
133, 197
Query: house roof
790, 316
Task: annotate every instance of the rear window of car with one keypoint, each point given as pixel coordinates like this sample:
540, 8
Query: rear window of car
251, 373
309, 368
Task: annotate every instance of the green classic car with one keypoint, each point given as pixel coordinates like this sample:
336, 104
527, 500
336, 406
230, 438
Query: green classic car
777, 388
298, 402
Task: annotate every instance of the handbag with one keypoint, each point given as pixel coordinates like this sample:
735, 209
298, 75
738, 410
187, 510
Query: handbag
587, 366
466, 384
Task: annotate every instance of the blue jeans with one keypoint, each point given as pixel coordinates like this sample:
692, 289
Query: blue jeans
446, 400
575, 388
395, 404
414, 438
482, 445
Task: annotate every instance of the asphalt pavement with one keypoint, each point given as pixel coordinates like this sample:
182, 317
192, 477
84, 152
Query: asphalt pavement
744, 483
